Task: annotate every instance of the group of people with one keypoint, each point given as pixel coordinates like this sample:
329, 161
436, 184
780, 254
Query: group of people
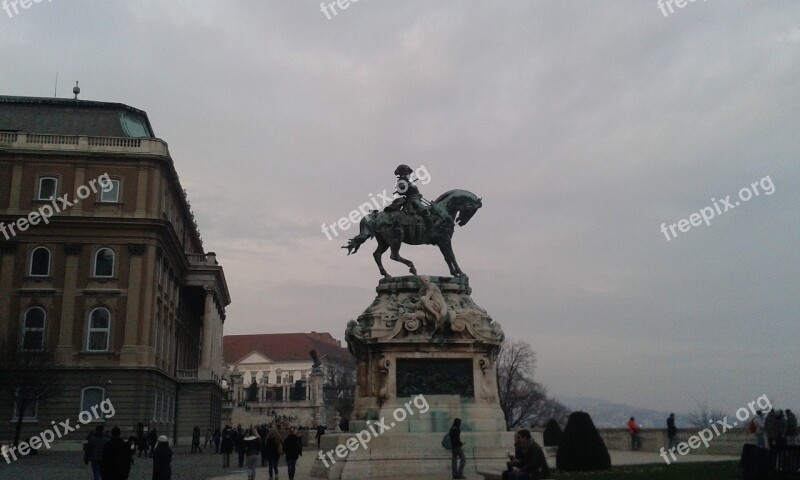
264, 443
527, 463
775, 429
111, 457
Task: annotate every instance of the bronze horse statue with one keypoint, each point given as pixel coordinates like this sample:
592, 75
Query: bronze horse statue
393, 227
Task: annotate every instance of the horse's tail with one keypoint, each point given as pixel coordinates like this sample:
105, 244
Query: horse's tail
365, 234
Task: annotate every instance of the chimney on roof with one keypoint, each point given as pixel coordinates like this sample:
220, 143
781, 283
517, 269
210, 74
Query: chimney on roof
76, 90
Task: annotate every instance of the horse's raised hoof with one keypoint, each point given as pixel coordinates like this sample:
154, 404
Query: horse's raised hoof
413, 270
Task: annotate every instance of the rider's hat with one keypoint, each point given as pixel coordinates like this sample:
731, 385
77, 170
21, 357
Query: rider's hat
403, 170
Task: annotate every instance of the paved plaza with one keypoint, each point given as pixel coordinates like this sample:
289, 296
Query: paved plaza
207, 466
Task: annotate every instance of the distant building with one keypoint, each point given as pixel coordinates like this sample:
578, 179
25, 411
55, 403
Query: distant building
116, 287
271, 373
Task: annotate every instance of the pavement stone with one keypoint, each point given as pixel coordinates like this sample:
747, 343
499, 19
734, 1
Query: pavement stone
208, 466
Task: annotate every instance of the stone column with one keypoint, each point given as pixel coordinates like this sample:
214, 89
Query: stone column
206, 364
16, 185
141, 193
66, 345
7, 253
128, 354
317, 399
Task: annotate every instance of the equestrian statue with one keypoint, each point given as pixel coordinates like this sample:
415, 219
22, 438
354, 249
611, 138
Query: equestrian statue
411, 219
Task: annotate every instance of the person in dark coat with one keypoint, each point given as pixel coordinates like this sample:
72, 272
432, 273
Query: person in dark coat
530, 463
457, 449
162, 458
252, 449
293, 448
227, 446
274, 447
152, 439
217, 439
116, 458
238, 442
95, 445
196, 440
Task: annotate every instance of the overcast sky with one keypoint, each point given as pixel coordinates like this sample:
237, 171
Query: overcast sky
584, 125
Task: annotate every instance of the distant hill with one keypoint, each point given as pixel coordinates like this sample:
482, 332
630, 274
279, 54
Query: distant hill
607, 414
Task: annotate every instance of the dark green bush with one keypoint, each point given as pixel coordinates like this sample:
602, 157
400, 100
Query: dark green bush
552, 433
581, 448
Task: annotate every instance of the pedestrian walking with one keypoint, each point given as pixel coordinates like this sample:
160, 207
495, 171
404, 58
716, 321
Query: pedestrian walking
208, 438
458, 459
152, 439
162, 460
116, 457
196, 440
94, 452
217, 439
293, 447
791, 427
672, 432
252, 449
227, 446
274, 446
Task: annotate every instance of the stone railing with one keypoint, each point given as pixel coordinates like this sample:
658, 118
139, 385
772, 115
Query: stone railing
728, 443
83, 143
186, 374
202, 259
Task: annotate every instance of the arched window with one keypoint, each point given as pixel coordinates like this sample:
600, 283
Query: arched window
99, 330
33, 329
91, 398
104, 263
40, 262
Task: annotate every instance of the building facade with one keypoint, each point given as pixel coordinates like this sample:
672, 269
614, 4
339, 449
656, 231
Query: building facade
114, 283
273, 375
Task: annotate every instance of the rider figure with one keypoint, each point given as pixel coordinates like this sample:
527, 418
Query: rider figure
413, 199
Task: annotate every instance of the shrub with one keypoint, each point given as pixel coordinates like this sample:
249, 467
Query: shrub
552, 433
581, 448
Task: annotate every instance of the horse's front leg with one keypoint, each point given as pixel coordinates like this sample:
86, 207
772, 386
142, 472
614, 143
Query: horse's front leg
395, 255
447, 249
382, 247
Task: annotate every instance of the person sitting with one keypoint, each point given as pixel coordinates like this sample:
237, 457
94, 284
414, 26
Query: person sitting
529, 463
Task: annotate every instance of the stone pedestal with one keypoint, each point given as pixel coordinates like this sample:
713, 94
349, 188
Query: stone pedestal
426, 355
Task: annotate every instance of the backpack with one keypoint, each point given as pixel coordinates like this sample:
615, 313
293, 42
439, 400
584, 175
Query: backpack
446, 442
752, 428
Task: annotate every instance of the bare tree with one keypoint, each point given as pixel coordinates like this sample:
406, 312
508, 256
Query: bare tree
524, 401
29, 378
704, 416
340, 382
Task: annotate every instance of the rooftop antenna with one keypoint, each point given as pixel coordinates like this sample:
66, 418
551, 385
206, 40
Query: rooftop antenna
55, 91
76, 90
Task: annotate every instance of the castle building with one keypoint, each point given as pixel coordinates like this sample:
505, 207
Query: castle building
102, 269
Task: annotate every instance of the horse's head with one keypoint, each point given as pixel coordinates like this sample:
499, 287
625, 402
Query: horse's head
466, 212
461, 205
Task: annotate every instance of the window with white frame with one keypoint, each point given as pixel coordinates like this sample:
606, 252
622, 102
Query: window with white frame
26, 400
99, 332
109, 191
33, 325
48, 188
104, 263
40, 262
93, 397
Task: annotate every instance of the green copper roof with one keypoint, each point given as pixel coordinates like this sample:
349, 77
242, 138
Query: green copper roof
72, 117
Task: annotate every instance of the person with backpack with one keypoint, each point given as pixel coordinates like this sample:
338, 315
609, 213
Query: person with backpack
458, 460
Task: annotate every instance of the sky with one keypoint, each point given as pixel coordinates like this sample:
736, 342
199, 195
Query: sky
583, 125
